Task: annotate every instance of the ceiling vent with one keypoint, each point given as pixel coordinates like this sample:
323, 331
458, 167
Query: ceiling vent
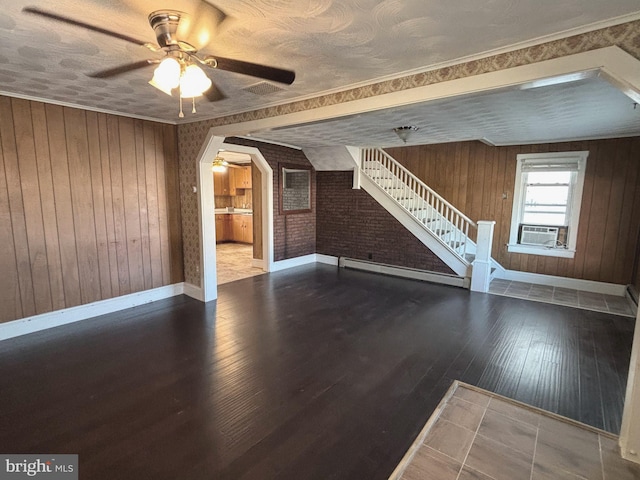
263, 88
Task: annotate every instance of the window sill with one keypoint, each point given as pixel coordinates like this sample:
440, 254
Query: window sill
547, 252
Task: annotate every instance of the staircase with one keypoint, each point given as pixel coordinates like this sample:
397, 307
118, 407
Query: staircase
434, 221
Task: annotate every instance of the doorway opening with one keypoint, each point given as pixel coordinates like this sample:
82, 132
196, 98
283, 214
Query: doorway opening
261, 218
234, 174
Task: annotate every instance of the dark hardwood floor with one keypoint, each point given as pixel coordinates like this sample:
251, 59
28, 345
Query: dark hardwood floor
311, 373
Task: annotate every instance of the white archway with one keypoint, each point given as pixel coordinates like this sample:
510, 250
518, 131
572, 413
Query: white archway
206, 206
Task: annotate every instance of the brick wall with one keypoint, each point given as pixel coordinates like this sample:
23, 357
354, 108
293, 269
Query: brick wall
351, 223
294, 234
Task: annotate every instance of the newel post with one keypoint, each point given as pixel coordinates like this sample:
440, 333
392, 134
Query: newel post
481, 272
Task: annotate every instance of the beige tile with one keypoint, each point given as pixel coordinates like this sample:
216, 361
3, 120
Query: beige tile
428, 464
512, 433
233, 262
463, 413
494, 459
450, 439
472, 396
562, 446
511, 410
615, 467
470, 474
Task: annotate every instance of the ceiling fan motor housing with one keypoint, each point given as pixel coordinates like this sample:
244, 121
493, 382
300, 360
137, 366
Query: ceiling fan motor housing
165, 24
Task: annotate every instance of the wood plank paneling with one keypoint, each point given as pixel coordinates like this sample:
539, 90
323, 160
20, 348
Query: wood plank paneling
163, 221
16, 208
117, 198
97, 191
48, 202
63, 204
9, 283
128, 165
170, 138
78, 193
142, 203
108, 204
152, 203
30, 187
607, 241
82, 199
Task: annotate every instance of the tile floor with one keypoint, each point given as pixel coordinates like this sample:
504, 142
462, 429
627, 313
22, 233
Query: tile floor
564, 296
477, 435
233, 262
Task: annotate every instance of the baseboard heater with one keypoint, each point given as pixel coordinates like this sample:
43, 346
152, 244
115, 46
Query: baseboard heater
404, 272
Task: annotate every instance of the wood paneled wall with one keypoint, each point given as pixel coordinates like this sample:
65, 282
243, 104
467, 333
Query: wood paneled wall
89, 207
474, 176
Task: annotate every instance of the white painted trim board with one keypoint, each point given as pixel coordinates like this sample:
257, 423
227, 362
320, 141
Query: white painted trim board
564, 282
65, 316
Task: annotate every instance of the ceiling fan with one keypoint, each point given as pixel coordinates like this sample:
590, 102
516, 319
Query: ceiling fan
219, 164
179, 38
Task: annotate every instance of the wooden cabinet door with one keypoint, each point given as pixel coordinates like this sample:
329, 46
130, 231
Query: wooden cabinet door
220, 228
248, 228
246, 177
221, 183
239, 178
237, 228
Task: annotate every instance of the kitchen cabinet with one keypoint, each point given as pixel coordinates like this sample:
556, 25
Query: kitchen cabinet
242, 228
239, 178
221, 183
234, 228
224, 230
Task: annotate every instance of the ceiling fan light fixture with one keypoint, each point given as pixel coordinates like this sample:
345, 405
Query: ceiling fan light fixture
219, 165
193, 82
166, 76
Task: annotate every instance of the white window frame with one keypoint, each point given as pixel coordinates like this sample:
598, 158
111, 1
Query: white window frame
556, 158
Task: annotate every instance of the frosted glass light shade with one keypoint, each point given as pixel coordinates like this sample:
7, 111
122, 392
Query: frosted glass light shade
194, 82
166, 76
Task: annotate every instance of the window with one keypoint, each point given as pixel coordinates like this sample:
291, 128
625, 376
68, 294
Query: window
546, 203
295, 189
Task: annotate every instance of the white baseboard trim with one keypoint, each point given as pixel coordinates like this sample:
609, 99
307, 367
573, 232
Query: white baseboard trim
57, 318
192, 291
564, 282
403, 272
293, 262
326, 259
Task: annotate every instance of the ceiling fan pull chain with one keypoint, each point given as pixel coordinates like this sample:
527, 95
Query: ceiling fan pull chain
193, 101
181, 114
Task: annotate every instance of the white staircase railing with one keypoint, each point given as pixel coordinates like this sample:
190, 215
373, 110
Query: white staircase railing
448, 224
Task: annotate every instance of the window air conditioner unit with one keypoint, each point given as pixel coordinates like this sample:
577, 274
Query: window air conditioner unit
536, 235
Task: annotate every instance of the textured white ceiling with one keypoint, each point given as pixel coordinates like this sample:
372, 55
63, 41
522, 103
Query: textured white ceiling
329, 43
589, 108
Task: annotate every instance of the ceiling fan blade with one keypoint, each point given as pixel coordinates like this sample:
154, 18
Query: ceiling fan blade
77, 23
214, 94
199, 26
110, 72
253, 69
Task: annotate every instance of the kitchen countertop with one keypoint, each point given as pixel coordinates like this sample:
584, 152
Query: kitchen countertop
236, 211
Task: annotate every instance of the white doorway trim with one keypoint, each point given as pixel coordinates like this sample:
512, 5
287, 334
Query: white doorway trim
206, 207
